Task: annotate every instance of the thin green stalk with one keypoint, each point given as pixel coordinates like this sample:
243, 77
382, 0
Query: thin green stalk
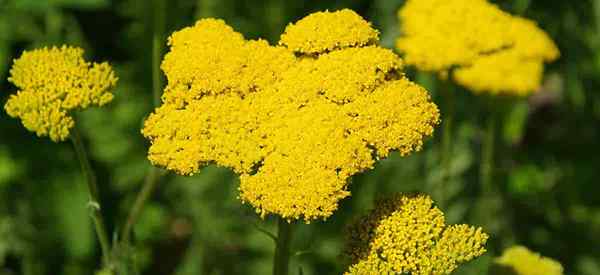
94, 198
159, 18
487, 156
281, 260
158, 12
143, 196
446, 150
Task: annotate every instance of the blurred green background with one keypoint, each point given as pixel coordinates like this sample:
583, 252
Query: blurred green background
546, 173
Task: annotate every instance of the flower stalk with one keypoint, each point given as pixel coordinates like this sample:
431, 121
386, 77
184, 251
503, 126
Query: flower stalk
94, 198
486, 172
158, 11
151, 179
143, 196
281, 259
448, 95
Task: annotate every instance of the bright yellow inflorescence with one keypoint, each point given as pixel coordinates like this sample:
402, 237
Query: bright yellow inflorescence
487, 49
521, 261
408, 235
294, 122
326, 31
53, 82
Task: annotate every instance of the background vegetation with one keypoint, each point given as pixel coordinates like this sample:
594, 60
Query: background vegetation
546, 161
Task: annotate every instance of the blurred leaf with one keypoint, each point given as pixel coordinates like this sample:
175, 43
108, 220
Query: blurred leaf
515, 121
588, 265
574, 87
526, 179
70, 202
520, 6
428, 81
151, 223
6, 238
104, 272
4, 58
42, 5
81, 4
9, 168
479, 265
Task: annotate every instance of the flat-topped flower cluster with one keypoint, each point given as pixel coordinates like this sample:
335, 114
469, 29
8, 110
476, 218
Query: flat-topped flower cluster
408, 235
52, 83
296, 120
484, 48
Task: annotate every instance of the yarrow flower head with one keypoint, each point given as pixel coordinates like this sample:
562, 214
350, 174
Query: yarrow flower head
408, 235
484, 48
295, 121
52, 83
519, 260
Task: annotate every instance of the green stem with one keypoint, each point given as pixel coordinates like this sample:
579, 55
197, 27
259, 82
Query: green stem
487, 156
94, 198
158, 11
143, 196
281, 260
448, 96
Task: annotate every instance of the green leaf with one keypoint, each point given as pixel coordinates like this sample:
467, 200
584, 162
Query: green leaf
42, 5
515, 122
151, 222
81, 4
70, 201
9, 169
520, 6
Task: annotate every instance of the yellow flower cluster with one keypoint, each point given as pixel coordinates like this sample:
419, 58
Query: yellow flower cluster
519, 260
488, 49
408, 235
325, 31
295, 121
53, 82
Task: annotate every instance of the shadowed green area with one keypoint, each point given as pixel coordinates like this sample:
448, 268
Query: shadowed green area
546, 154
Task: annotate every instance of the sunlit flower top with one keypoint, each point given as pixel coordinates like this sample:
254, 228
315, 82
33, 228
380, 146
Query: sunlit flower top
408, 235
53, 82
521, 261
484, 48
294, 121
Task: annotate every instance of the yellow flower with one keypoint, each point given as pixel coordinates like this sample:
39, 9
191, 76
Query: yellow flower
408, 235
519, 260
326, 31
53, 82
294, 126
487, 49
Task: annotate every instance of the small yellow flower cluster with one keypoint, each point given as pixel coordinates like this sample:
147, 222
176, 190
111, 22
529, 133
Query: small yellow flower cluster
324, 31
52, 82
521, 261
488, 49
408, 235
295, 121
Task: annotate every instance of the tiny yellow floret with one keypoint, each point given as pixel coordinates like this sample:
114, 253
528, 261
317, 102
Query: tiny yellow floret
294, 127
52, 83
484, 48
521, 261
408, 235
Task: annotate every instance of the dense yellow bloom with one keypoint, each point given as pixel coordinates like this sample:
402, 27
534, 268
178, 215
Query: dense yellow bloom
53, 82
325, 31
521, 261
294, 125
408, 235
487, 49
